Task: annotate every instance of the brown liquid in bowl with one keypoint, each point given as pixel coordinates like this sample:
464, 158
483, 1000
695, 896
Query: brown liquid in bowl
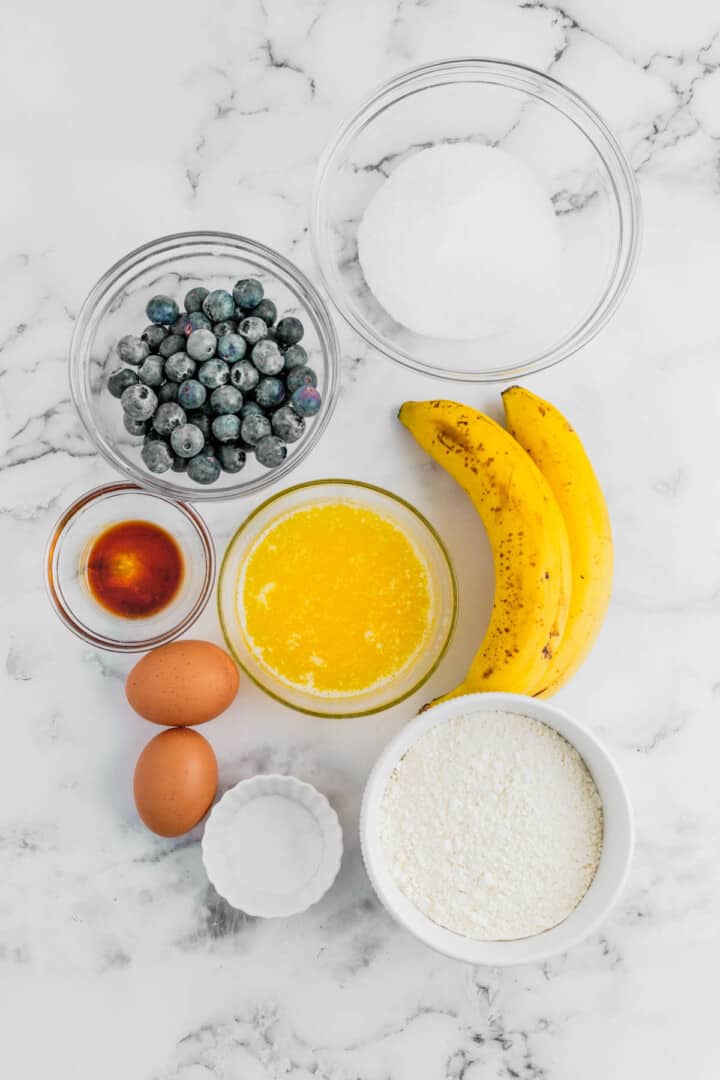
134, 569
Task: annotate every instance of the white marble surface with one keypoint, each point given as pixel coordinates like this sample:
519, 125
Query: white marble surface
126, 121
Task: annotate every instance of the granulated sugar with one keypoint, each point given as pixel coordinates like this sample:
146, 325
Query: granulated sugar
460, 242
492, 826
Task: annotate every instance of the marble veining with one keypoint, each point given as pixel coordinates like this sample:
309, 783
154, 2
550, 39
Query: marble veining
117, 960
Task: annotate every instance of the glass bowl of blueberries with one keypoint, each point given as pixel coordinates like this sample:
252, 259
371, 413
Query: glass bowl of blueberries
204, 366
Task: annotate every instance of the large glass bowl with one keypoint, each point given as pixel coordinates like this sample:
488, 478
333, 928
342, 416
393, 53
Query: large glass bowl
172, 265
423, 536
576, 160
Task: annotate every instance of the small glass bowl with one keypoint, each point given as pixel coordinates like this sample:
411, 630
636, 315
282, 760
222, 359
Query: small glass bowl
574, 157
173, 265
413, 524
66, 557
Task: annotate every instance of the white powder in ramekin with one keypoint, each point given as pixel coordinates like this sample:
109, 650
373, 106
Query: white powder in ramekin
492, 826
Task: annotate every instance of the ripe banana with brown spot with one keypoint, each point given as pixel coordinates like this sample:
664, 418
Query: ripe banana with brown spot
560, 456
528, 537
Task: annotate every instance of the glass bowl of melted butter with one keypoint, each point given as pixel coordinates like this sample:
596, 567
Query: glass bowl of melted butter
337, 598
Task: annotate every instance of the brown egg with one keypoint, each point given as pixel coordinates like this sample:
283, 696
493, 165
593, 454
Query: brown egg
183, 683
175, 781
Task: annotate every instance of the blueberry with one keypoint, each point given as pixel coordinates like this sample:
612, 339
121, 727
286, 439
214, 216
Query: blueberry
248, 293
213, 373
120, 380
226, 428
157, 455
201, 344
253, 330
300, 376
226, 399
218, 305
295, 356
179, 367
132, 350
191, 394
195, 298
179, 464
162, 310
270, 392
204, 468
139, 401
270, 451
289, 331
151, 371
173, 343
254, 427
266, 311
251, 408
244, 376
168, 417
267, 358
187, 440
167, 392
153, 335
133, 426
187, 324
227, 326
287, 425
202, 421
306, 401
231, 457
231, 347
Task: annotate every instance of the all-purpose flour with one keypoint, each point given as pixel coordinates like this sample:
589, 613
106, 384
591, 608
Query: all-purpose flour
492, 825
461, 242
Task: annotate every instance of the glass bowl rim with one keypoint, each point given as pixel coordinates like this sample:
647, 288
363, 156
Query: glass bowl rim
429, 527
531, 82
273, 262
65, 614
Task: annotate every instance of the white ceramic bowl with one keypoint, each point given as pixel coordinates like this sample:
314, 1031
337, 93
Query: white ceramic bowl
241, 889
606, 886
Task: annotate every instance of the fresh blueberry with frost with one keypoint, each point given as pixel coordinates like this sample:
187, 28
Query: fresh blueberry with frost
168, 417
133, 426
213, 373
188, 323
167, 392
219, 305
251, 408
270, 451
227, 326
151, 371
253, 330
132, 350
157, 455
231, 457
287, 425
231, 347
270, 392
267, 358
187, 440
289, 331
226, 399
204, 468
162, 309
173, 343
195, 298
191, 394
248, 293
266, 311
306, 401
201, 345
153, 335
179, 367
254, 427
139, 401
244, 375
295, 356
120, 380
226, 428
200, 420
300, 376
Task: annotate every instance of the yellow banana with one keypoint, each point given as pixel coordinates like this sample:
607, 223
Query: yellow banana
528, 538
557, 451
